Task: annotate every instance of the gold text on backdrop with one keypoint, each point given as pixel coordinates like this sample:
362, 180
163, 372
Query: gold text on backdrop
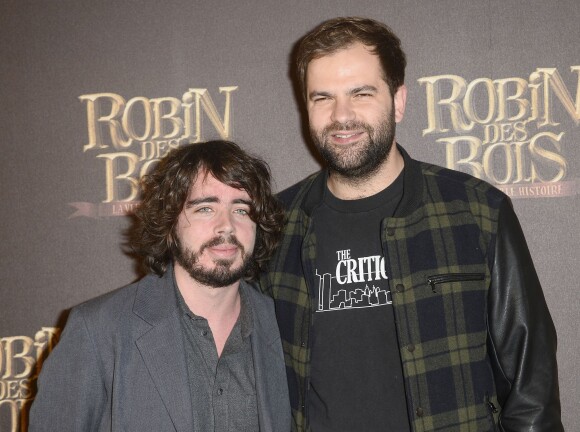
21, 359
130, 136
508, 143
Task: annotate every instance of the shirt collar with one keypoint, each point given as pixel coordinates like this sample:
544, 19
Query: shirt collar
245, 319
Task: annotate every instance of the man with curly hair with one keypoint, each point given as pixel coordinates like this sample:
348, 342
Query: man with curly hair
192, 346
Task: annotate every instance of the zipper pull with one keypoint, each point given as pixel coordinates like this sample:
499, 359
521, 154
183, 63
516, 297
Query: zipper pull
492, 407
431, 283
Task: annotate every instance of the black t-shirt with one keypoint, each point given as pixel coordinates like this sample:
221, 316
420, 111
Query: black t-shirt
356, 373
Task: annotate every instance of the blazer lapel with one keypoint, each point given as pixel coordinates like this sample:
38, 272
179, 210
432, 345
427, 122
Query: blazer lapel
162, 349
269, 369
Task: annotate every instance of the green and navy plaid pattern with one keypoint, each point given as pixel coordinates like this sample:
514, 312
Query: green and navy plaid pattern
441, 325
438, 247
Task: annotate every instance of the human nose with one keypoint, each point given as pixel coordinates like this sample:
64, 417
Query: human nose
342, 111
224, 223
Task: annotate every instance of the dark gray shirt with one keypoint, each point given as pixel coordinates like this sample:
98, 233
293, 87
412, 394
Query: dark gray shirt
223, 389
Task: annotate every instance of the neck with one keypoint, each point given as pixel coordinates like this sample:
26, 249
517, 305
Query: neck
346, 188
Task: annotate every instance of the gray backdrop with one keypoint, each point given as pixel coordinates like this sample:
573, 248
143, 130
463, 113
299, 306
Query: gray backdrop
92, 92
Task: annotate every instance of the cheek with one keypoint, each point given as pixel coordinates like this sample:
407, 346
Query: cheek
374, 116
190, 234
317, 118
249, 240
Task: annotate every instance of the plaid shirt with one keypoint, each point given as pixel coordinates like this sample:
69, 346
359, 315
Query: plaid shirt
440, 249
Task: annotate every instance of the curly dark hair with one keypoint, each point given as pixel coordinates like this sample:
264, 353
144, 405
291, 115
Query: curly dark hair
166, 189
340, 33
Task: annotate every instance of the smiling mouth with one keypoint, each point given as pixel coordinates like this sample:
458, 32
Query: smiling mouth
223, 247
226, 250
346, 137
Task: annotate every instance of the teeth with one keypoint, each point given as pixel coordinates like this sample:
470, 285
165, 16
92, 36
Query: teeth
344, 135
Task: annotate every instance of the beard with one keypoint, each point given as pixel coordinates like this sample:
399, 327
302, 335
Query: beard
223, 274
362, 159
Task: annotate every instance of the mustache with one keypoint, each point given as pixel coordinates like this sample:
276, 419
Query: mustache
337, 126
216, 241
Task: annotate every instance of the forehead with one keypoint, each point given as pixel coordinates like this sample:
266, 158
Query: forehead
355, 61
206, 185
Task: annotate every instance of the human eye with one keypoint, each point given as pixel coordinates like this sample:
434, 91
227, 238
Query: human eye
203, 209
362, 95
242, 211
319, 97
364, 92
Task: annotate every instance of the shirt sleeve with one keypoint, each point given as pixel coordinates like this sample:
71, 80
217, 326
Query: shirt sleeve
522, 336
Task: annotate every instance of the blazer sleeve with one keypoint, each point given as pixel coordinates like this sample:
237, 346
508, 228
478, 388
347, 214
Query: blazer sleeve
522, 335
71, 394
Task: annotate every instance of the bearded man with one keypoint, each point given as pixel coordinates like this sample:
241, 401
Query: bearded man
192, 346
405, 293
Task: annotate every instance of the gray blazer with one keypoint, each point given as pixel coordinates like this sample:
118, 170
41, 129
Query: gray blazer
120, 366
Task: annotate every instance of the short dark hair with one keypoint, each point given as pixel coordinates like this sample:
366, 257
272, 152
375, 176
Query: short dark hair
340, 33
166, 189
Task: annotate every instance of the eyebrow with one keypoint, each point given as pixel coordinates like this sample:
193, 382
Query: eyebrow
201, 200
243, 201
364, 88
214, 199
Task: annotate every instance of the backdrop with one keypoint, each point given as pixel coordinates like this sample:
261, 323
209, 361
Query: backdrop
92, 93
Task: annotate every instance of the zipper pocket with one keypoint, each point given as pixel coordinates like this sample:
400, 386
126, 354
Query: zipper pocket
453, 277
491, 407
492, 413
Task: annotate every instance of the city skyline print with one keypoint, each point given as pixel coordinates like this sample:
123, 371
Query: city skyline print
355, 283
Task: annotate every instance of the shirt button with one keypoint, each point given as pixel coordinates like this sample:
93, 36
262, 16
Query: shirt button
419, 412
400, 288
410, 347
302, 344
390, 232
204, 332
220, 392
